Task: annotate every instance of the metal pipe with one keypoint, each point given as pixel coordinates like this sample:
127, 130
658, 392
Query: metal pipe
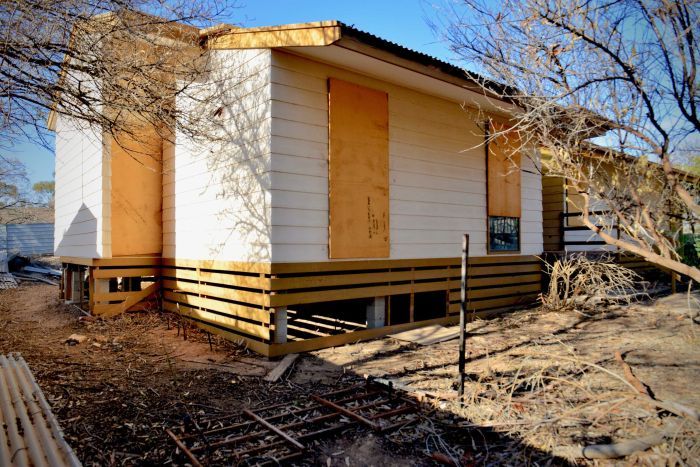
276, 430
347, 412
184, 449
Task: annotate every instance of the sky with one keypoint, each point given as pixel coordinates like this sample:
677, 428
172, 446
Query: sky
401, 21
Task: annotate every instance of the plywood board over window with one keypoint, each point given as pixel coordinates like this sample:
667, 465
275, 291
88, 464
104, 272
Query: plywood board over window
503, 164
358, 178
136, 193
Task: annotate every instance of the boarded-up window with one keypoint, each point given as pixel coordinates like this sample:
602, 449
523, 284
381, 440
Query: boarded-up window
503, 163
504, 174
358, 175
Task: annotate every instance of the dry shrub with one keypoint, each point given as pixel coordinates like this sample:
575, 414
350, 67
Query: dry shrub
577, 281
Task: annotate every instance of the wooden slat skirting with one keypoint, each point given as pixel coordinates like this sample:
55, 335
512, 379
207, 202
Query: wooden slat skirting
239, 299
106, 304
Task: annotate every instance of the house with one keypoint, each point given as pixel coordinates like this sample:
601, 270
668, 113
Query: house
563, 227
332, 211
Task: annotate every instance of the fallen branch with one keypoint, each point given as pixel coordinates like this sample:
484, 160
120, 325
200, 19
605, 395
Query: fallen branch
615, 450
642, 388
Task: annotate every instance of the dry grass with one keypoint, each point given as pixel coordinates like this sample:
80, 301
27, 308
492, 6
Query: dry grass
555, 400
541, 383
577, 281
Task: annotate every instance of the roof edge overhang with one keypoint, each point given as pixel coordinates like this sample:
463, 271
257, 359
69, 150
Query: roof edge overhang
315, 34
326, 33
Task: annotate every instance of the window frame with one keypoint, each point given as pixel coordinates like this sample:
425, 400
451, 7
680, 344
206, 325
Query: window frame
488, 237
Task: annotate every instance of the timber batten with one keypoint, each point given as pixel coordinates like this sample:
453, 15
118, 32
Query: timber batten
239, 300
231, 300
113, 285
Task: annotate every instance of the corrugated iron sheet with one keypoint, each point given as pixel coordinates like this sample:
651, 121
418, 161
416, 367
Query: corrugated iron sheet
29, 432
30, 239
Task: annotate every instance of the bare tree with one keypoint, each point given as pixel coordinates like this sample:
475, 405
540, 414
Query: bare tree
625, 72
114, 65
13, 199
45, 192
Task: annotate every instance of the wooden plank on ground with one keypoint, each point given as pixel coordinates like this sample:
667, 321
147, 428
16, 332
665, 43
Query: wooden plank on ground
280, 369
427, 335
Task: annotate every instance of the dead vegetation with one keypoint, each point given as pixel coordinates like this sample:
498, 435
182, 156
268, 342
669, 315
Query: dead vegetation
578, 281
541, 387
554, 383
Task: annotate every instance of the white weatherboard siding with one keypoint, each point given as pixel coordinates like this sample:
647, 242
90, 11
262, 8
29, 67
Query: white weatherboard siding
82, 199
216, 199
437, 169
587, 236
573, 205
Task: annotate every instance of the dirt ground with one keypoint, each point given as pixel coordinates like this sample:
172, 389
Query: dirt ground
538, 384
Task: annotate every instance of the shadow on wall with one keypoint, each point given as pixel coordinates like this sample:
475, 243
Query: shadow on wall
234, 146
80, 238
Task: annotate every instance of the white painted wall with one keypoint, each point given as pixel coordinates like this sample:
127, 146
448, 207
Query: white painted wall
437, 169
216, 197
82, 201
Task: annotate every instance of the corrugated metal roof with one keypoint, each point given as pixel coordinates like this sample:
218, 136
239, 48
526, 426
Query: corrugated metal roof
27, 239
29, 432
420, 57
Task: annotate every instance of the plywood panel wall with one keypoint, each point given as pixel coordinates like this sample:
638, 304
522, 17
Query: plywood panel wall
136, 194
358, 171
504, 163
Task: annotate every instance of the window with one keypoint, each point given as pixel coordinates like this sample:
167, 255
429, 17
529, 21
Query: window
504, 233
